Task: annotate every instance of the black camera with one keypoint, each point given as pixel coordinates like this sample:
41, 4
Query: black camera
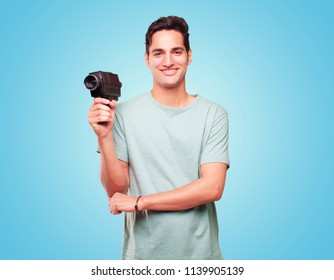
103, 84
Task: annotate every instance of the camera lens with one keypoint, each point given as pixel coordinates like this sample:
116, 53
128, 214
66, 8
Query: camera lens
92, 82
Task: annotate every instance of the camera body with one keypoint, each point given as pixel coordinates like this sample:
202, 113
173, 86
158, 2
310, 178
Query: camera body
103, 84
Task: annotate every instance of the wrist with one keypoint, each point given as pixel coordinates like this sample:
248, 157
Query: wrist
136, 205
106, 140
105, 136
142, 203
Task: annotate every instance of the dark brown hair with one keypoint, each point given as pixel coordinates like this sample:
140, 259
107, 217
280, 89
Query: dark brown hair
168, 23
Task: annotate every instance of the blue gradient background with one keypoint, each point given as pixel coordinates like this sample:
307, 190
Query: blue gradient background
269, 63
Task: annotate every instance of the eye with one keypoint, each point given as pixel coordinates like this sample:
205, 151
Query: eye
157, 54
178, 52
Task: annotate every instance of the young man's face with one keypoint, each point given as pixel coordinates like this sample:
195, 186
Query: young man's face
168, 59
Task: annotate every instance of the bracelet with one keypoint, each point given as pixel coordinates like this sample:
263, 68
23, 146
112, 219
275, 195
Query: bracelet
136, 205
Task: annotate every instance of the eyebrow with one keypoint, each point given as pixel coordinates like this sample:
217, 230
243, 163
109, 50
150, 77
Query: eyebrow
178, 49
157, 50
173, 49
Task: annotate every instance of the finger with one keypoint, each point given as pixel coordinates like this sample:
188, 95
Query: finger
100, 107
94, 114
115, 211
103, 107
113, 104
112, 208
101, 100
99, 119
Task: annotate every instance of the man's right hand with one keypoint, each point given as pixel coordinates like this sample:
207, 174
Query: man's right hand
101, 116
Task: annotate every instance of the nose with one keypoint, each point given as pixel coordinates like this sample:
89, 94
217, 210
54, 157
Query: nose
168, 61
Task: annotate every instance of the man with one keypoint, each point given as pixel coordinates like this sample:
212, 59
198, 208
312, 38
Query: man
164, 156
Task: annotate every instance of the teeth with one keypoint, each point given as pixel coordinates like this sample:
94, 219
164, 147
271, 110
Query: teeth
169, 71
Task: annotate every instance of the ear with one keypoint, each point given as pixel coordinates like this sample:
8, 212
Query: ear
146, 59
190, 56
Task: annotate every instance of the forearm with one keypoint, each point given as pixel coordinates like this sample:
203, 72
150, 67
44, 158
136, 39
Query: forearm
196, 193
113, 176
206, 189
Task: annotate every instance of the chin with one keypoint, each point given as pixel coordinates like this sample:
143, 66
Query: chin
171, 84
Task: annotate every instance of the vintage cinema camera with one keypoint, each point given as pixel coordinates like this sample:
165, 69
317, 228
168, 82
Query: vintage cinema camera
103, 84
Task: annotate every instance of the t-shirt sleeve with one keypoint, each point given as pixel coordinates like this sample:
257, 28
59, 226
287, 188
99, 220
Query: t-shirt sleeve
215, 148
120, 137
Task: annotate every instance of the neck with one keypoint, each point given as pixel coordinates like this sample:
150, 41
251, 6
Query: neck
172, 97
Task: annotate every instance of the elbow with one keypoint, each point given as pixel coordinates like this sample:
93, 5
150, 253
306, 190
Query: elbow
217, 192
113, 187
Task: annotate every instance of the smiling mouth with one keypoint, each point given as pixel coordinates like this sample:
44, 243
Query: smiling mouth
169, 72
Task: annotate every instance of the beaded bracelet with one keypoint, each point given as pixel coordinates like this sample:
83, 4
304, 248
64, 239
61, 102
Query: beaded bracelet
136, 206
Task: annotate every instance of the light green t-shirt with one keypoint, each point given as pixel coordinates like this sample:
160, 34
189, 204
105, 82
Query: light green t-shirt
164, 148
